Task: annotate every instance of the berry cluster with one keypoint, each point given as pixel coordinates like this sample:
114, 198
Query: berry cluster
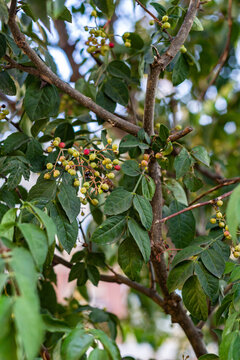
166, 24
126, 39
97, 41
95, 167
3, 112
220, 219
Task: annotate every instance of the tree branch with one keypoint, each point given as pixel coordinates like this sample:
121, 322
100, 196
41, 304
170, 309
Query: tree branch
119, 279
218, 67
47, 75
195, 206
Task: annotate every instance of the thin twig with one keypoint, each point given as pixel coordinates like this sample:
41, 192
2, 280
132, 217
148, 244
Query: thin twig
227, 182
178, 135
154, 17
209, 202
218, 67
153, 277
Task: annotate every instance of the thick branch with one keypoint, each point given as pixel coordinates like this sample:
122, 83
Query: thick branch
119, 279
47, 74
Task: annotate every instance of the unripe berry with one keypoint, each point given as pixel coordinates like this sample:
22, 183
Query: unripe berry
213, 221
111, 45
92, 157
75, 154
158, 155
236, 254
227, 228
226, 233
58, 139
86, 28
237, 247
100, 191
97, 173
109, 166
151, 22
62, 159
183, 49
105, 186
229, 237
109, 141
117, 167
55, 143
108, 161
62, 145
219, 203
146, 157
128, 44
144, 163
86, 151
178, 127
166, 25
6, 112
219, 215
76, 183
94, 13
71, 163
126, 35
49, 166
114, 147
221, 224
56, 173
165, 18
72, 172
111, 175
47, 176
70, 151
49, 149
94, 202
93, 165
158, 126
115, 162
86, 185
83, 190
67, 167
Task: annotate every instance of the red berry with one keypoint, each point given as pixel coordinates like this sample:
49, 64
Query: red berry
117, 167
111, 45
62, 145
86, 151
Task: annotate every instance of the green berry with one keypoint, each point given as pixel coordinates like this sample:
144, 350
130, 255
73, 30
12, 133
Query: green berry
183, 49
94, 202
56, 173
49, 166
219, 203
213, 221
83, 190
151, 22
165, 18
166, 25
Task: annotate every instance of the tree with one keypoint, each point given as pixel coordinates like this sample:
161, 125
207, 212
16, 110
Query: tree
145, 195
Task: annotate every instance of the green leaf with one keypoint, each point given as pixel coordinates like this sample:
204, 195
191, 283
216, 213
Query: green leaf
105, 101
98, 354
214, 262
3, 43
3, 12
70, 202
129, 142
131, 168
141, 238
106, 6
3, 279
93, 274
180, 70
144, 210
58, 7
39, 9
43, 190
163, 133
119, 69
46, 221
194, 298
66, 232
27, 317
41, 101
76, 271
181, 228
117, 91
108, 343
75, 344
192, 182
37, 242
201, 154
148, 187
9, 217
159, 8
197, 25
110, 230
118, 201
182, 163
65, 132
7, 85
179, 274
186, 254
209, 283
235, 275
208, 357
228, 350
130, 258
233, 213
174, 191
65, 15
